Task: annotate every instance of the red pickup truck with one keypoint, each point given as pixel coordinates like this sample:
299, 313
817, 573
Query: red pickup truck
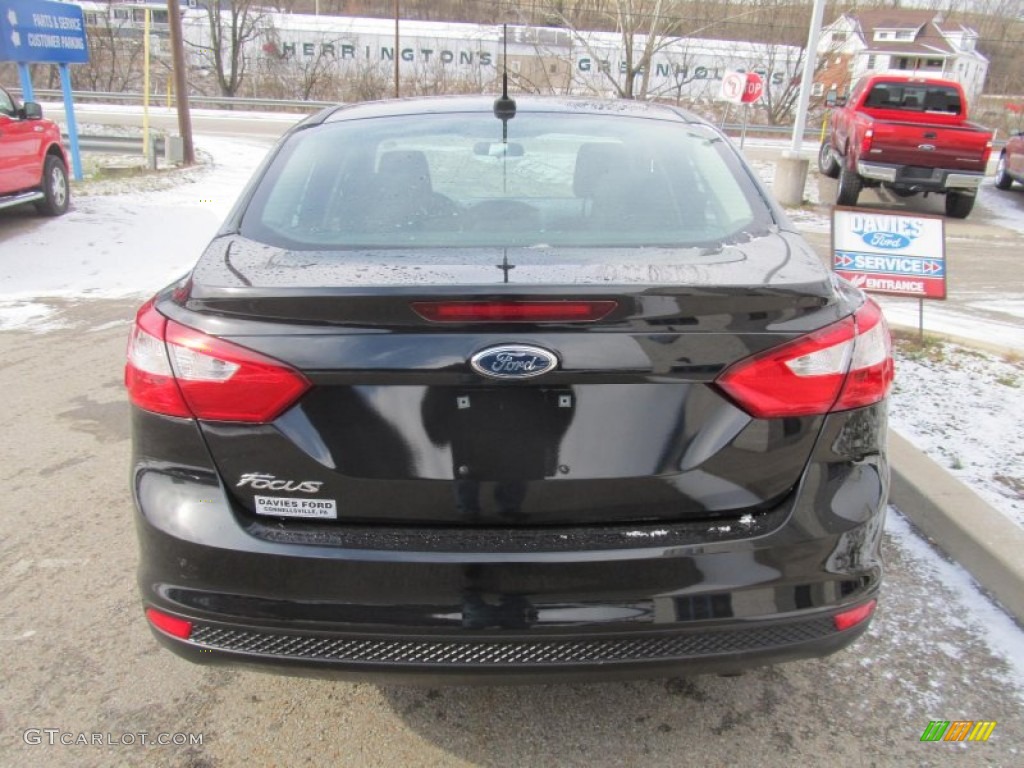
909, 134
33, 166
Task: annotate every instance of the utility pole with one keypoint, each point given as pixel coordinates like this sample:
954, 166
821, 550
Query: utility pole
180, 83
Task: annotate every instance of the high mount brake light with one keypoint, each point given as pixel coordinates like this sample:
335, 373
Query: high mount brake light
845, 365
513, 311
179, 371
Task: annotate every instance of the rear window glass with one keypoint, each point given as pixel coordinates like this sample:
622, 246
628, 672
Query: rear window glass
914, 97
457, 180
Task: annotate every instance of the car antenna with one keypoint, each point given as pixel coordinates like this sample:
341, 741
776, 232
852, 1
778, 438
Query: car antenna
504, 107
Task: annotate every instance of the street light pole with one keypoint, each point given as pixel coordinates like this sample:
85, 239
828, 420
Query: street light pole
807, 80
791, 169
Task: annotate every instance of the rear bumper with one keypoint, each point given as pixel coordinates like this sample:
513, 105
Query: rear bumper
513, 657
533, 604
932, 179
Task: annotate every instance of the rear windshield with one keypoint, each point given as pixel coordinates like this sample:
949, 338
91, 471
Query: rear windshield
462, 180
914, 97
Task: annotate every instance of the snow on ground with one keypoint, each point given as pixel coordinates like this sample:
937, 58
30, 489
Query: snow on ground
124, 241
954, 602
1004, 205
965, 410
809, 217
948, 319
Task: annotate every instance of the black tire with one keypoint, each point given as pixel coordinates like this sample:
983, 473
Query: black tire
959, 204
1003, 179
55, 187
849, 187
827, 162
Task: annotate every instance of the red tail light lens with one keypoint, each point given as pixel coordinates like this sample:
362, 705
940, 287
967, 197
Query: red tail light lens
854, 616
172, 625
865, 143
179, 371
842, 366
513, 311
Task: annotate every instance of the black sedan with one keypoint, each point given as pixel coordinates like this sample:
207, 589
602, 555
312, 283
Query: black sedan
476, 390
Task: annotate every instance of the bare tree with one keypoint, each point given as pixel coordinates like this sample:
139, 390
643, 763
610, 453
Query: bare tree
311, 66
115, 55
644, 27
232, 25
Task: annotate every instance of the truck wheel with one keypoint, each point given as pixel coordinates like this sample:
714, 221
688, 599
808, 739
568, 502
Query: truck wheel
55, 187
959, 204
827, 162
849, 187
1003, 179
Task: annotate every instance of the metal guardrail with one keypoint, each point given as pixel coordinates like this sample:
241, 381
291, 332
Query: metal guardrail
219, 102
120, 145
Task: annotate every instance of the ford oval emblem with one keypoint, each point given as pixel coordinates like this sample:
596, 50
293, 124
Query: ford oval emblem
513, 361
890, 241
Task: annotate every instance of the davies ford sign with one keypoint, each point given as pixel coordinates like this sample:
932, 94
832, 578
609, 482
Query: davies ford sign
890, 253
35, 30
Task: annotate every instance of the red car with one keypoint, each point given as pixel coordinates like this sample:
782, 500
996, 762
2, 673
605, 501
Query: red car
1011, 162
33, 166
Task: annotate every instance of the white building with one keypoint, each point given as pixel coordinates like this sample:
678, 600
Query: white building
903, 39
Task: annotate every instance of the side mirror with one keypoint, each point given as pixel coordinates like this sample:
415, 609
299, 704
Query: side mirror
31, 111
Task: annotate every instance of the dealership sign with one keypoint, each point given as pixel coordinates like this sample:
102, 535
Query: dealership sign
36, 30
890, 253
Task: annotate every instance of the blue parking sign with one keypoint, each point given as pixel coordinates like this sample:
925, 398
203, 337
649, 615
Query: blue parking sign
42, 31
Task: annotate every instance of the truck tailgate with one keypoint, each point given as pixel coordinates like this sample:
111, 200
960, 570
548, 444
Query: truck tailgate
959, 148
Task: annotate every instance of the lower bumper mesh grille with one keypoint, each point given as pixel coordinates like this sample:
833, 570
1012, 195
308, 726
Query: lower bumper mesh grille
494, 653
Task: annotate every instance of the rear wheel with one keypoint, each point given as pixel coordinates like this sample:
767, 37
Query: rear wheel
55, 187
959, 204
850, 185
1003, 179
827, 162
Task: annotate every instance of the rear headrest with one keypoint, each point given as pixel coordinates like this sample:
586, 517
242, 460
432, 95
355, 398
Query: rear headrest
595, 162
407, 167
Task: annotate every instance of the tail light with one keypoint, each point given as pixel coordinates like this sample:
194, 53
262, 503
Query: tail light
179, 371
865, 142
987, 153
842, 366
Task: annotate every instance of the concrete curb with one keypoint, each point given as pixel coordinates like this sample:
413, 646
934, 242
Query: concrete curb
962, 524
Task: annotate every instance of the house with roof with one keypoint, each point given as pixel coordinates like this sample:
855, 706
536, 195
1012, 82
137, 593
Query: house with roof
913, 40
